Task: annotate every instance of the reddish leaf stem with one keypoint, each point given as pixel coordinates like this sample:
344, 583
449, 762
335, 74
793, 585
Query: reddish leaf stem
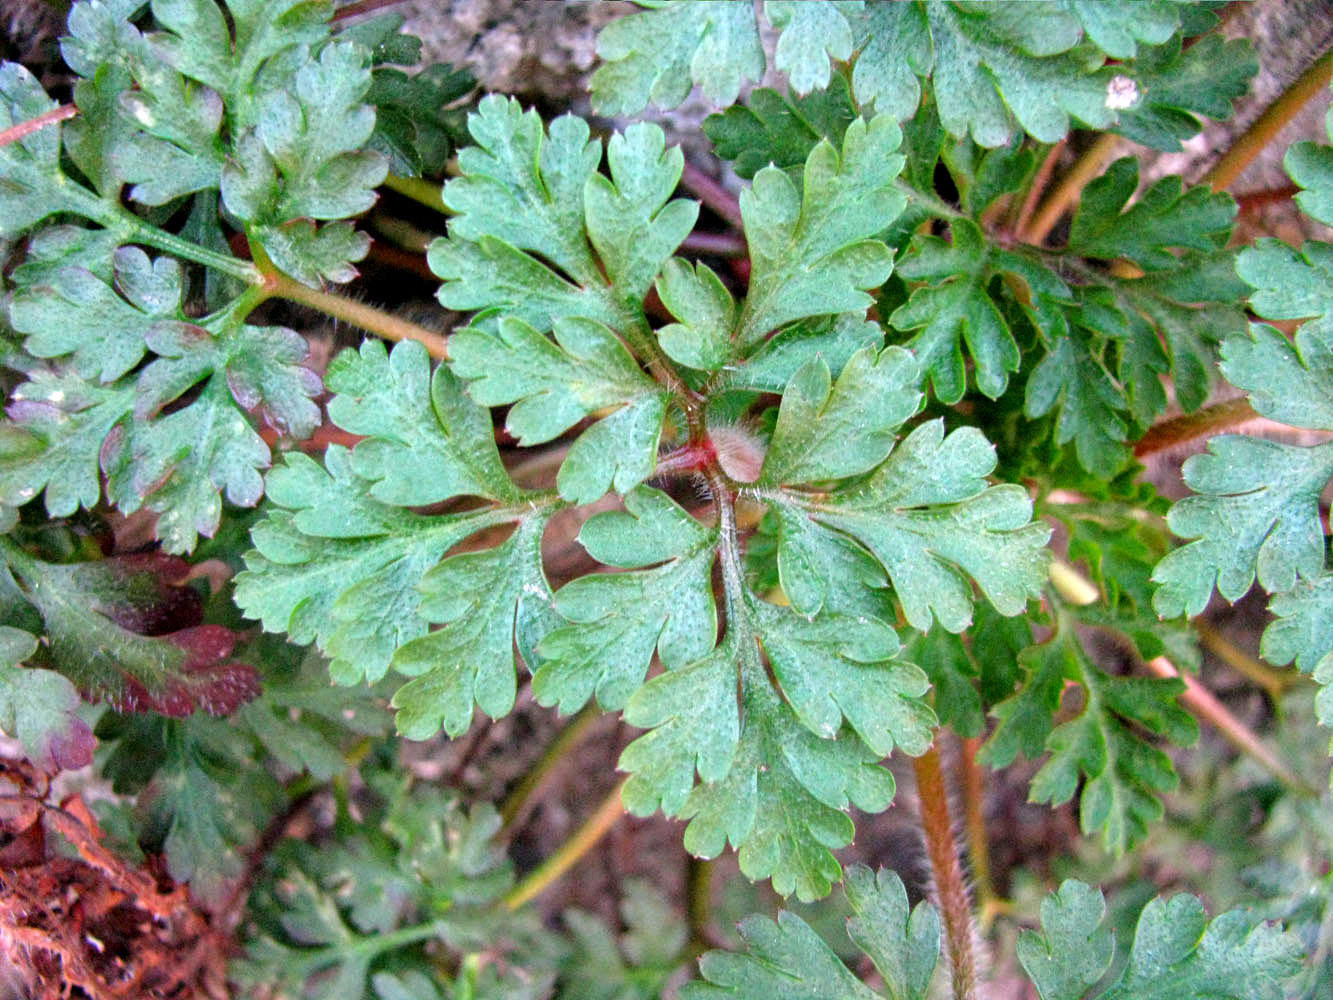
362, 7
950, 886
712, 194
973, 782
24, 129
1192, 426
1275, 117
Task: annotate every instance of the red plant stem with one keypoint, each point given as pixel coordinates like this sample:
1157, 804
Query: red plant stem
23, 129
1248, 204
973, 783
1204, 704
718, 244
712, 194
362, 7
1037, 188
950, 886
1192, 426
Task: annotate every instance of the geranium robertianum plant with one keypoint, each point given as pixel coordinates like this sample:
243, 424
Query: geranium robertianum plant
817, 489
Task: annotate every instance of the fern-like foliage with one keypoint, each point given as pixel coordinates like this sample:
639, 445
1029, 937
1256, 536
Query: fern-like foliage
1255, 513
761, 737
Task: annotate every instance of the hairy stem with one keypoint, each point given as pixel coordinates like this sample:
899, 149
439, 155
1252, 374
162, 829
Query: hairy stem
583, 840
950, 886
368, 318
1093, 161
973, 783
540, 775
1275, 117
1190, 427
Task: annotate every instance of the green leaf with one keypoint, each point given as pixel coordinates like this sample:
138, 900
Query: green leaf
1072, 951
39, 707
706, 312
930, 518
426, 442
618, 619
211, 807
811, 35
781, 130
952, 674
812, 251
657, 55
787, 959
197, 42
1166, 216
53, 439
1255, 515
635, 965
1288, 284
554, 385
1302, 630
833, 338
952, 307
832, 431
1177, 952
1311, 167
1099, 753
305, 160
78, 314
1072, 378
1176, 84
485, 600
835, 667
32, 186
526, 198
415, 125
992, 66
630, 222
1117, 29
338, 567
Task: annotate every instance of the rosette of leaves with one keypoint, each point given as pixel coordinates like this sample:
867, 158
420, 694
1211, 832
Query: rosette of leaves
761, 732
1176, 952
1255, 515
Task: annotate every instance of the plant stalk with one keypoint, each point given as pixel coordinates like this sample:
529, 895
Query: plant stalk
22, 130
1075, 588
1274, 682
539, 776
1191, 426
973, 783
1275, 117
1093, 161
1204, 704
593, 829
950, 885
368, 318
420, 190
